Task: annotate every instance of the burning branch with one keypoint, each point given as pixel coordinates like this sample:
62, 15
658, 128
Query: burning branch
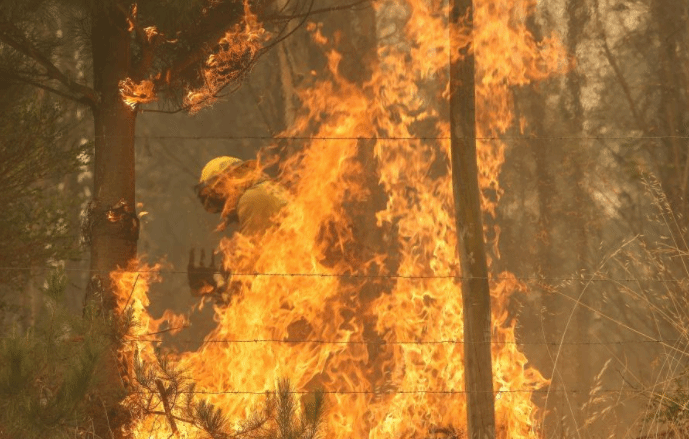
236, 54
228, 35
202, 36
148, 38
134, 93
166, 406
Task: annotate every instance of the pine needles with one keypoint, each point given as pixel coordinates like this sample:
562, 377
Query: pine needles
47, 374
167, 392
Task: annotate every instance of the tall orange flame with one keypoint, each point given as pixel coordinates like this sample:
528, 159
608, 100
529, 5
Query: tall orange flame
378, 328
132, 285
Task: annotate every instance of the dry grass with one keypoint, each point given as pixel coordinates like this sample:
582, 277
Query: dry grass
640, 315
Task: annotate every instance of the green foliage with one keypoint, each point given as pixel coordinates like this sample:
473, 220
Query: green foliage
47, 374
36, 150
34, 157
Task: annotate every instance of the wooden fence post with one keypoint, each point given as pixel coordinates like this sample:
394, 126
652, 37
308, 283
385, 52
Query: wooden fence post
478, 372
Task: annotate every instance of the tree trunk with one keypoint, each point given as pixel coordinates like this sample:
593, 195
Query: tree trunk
478, 371
113, 221
669, 16
114, 227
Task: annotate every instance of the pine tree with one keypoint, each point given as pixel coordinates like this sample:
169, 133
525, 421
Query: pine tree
51, 379
181, 53
36, 153
48, 374
280, 417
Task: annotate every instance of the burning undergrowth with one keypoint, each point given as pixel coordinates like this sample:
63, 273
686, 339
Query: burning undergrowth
353, 292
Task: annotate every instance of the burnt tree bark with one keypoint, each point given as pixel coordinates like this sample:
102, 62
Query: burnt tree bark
478, 371
113, 230
114, 226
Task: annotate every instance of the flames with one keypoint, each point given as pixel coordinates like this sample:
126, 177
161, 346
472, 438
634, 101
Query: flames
233, 58
356, 292
137, 93
132, 285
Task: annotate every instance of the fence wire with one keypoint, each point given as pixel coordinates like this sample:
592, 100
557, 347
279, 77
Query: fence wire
582, 278
396, 138
398, 392
403, 342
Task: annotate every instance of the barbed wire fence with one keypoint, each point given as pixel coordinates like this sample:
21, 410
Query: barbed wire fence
670, 343
665, 342
400, 138
582, 278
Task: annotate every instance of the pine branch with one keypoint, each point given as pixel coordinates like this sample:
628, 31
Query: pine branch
285, 409
148, 42
166, 406
22, 45
23, 79
210, 418
279, 17
282, 38
202, 38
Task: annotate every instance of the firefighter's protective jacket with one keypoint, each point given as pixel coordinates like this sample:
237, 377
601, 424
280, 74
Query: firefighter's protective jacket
257, 210
258, 207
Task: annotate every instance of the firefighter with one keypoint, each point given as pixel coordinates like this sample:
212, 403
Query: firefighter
242, 194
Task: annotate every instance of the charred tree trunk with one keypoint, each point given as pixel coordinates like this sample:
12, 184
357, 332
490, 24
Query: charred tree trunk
114, 227
478, 371
113, 222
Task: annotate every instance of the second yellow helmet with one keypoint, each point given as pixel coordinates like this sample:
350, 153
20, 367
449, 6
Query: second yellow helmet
217, 166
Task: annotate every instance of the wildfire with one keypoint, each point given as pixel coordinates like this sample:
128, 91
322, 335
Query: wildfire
233, 59
135, 93
132, 285
376, 322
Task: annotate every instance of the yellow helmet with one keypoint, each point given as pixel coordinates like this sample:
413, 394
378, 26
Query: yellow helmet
217, 166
